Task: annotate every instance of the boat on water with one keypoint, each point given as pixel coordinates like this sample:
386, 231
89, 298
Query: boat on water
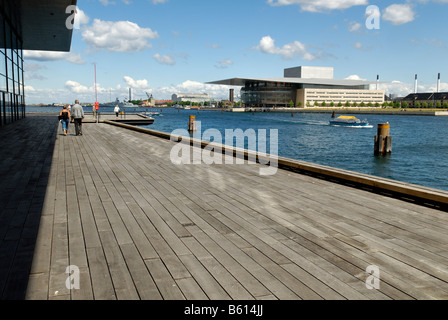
150, 114
349, 121
123, 105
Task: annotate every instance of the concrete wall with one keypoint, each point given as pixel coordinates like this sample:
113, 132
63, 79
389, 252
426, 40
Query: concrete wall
310, 72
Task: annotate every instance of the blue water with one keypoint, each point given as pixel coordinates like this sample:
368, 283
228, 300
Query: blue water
420, 143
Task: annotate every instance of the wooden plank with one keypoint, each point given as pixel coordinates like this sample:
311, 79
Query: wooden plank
166, 284
144, 284
224, 277
102, 285
121, 278
191, 290
208, 283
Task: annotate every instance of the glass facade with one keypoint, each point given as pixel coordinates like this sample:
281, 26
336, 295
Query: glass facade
268, 94
12, 97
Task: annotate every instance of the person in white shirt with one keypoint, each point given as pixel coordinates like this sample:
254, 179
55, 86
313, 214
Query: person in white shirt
117, 110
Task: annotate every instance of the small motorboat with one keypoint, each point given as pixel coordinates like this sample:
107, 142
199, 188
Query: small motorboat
349, 121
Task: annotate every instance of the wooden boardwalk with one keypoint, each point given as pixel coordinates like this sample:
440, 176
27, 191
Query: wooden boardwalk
136, 226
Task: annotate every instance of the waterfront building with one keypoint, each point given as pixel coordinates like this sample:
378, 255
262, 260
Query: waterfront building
192, 97
426, 100
27, 25
305, 87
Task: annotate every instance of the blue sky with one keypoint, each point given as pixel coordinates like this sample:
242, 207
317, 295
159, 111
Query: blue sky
170, 46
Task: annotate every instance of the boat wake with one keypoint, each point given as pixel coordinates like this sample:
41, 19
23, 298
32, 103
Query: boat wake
307, 122
355, 127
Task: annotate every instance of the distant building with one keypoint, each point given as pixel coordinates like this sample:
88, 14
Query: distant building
163, 103
429, 99
192, 97
305, 87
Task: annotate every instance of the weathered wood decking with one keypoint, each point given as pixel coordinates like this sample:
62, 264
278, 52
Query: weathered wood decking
138, 227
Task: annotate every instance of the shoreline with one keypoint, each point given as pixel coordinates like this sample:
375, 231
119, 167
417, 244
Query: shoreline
374, 111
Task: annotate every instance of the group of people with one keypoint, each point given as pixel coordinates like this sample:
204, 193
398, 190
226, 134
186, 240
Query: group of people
75, 115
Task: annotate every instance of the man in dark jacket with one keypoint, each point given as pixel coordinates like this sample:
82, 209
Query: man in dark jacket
78, 116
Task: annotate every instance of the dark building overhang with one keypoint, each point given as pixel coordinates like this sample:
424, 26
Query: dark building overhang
294, 81
426, 96
42, 24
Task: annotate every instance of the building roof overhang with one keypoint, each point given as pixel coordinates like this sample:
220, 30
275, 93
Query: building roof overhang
45, 24
241, 82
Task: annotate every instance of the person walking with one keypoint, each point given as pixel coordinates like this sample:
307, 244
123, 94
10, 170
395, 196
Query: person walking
78, 117
64, 116
117, 110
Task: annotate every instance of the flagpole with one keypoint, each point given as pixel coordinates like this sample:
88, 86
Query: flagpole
96, 98
96, 90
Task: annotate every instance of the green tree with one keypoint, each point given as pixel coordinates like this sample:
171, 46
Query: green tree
291, 104
405, 105
324, 104
340, 104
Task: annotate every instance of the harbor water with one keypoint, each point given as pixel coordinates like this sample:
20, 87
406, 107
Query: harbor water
420, 143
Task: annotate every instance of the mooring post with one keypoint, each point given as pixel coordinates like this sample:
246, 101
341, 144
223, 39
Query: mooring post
192, 126
383, 140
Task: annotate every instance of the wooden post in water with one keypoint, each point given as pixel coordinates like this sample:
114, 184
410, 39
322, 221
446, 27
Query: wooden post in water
383, 140
192, 126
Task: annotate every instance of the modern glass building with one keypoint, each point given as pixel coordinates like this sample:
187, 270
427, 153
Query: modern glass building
12, 97
28, 25
304, 87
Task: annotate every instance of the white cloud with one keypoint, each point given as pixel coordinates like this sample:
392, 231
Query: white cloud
355, 77
224, 64
86, 93
399, 14
213, 45
29, 89
288, 51
354, 26
106, 2
165, 59
120, 36
218, 92
76, 87
319, 5
81, 18
46, 56
136, 84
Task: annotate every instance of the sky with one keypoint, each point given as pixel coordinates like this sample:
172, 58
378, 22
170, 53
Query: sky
163, 47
